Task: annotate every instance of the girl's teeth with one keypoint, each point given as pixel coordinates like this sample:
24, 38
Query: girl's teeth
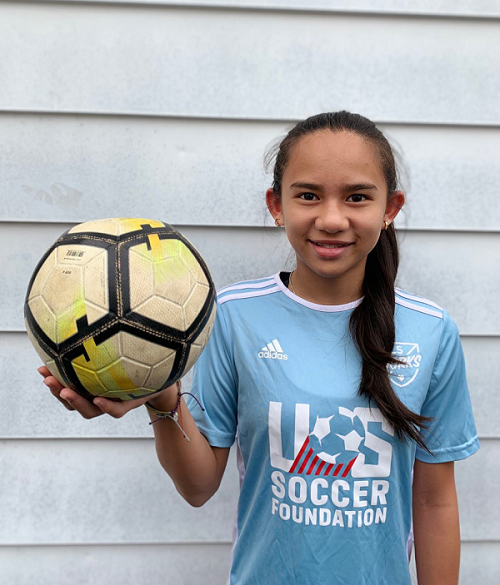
331, 245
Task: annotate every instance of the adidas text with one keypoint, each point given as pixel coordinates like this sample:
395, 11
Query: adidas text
272, 355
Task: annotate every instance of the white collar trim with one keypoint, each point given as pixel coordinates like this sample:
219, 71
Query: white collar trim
314, 306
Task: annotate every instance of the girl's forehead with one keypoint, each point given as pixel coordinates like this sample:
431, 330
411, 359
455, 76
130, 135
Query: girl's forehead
333, 153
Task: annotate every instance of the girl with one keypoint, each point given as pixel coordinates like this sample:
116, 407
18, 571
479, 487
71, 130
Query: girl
347, 397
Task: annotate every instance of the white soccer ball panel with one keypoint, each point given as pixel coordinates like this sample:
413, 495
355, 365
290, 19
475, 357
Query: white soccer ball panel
160, 372
193, 265
195, 303
142, 286
163, 311
94, 312
64, 289
46, 359
173, 281
42, 275
143, 350
95, 281
44, 317
198, 345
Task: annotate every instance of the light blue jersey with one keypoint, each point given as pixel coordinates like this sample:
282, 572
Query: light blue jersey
325, 484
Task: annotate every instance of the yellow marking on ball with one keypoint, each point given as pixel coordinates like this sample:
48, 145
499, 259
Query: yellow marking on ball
115, 375
156, 247
157, 256
134, 224
167, 266
66, 323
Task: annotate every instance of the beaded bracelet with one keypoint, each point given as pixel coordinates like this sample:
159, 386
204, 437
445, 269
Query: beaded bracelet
174, 414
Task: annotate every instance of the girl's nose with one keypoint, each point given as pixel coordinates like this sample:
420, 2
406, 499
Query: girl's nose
331, 218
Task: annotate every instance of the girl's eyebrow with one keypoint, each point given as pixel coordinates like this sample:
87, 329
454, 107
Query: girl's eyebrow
311, 186
345, 188
360, 187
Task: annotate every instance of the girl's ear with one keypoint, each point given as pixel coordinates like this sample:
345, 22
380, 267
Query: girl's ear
394, 205
274, 205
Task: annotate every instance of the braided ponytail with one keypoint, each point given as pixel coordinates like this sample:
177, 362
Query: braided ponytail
373, 331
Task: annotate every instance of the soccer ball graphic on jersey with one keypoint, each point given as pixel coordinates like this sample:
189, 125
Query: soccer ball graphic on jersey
120, 308
336, 439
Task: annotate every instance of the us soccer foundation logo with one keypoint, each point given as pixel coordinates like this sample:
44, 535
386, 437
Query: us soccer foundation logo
337, 474
410, 359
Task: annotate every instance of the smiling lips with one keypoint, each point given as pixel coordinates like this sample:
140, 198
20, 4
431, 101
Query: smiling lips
330, 248
330, 244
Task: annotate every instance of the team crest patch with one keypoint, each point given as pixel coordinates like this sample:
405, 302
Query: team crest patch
410, 357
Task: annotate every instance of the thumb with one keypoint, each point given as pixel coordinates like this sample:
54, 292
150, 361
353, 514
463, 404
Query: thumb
116, 409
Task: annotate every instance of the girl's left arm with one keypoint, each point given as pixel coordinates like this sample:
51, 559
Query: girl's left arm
435, 523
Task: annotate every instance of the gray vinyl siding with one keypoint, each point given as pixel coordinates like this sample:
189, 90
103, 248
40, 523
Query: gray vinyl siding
85, 166
258, 64
164, 110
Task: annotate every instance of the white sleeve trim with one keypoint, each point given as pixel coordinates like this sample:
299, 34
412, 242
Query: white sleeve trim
248, 295
419, 308
406, 295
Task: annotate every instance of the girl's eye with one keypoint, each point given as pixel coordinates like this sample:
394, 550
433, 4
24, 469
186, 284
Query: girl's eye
307, 196
357, 198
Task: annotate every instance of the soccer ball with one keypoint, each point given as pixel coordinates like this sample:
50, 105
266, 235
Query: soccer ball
120, 308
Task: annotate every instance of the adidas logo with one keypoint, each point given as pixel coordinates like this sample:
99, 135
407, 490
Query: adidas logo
272, 351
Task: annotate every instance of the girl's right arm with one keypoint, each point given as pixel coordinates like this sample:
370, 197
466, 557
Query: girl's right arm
195, 467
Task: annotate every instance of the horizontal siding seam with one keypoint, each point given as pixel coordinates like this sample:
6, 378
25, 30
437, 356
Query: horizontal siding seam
223, 226
323, 11
494, 125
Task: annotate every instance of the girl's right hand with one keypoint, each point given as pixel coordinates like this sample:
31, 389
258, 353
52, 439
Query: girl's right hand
73, 401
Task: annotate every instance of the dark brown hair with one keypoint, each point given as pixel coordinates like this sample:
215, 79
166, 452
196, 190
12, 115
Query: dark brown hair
372, 321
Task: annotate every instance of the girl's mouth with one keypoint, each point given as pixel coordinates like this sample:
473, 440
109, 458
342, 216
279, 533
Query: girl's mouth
330, 250
331, 245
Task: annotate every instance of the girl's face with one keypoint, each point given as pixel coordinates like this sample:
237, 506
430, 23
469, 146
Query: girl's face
333, 205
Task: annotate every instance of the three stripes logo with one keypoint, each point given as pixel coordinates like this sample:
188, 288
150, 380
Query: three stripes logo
272, 351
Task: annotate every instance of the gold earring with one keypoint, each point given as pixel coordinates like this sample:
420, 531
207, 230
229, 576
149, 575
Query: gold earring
277, 222
386, 224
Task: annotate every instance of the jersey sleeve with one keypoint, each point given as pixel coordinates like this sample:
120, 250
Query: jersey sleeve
451, 434
215, 386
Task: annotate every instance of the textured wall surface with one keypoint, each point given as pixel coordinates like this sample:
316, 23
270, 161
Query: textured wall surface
164, 110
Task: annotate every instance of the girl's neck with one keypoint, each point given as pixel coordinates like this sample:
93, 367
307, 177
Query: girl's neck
321, 290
